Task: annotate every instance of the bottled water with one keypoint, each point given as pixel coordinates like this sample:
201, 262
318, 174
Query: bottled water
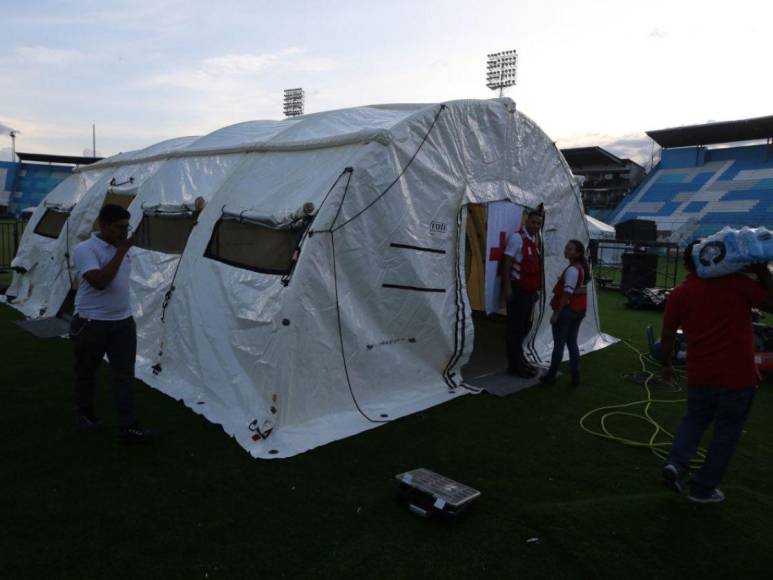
730, 251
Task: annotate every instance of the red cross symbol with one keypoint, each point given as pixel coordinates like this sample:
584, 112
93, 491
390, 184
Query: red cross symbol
495, 255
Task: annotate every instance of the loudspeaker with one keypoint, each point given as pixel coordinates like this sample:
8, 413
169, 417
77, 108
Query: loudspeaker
639, 271
637, 230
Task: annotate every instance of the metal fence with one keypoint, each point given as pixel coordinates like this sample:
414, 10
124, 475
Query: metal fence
10, 234
626, 264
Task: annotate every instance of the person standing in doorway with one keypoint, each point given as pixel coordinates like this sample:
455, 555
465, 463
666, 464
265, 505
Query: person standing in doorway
103, 322
569, 303
722, 377
522, 282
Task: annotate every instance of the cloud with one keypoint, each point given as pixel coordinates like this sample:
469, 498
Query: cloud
635, 146
5, 154
43, 55
160, 16
238, 67
5, 129
658, 34
638, 148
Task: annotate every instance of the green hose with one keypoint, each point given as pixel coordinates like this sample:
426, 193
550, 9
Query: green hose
659, 448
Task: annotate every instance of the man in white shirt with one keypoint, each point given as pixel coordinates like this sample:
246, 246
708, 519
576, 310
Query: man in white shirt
103, 323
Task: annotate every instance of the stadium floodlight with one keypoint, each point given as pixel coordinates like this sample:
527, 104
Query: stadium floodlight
293, 103
13, 134
501, 70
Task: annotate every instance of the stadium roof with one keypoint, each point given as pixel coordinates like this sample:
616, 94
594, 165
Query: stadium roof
724, 132
67, 159
590, 156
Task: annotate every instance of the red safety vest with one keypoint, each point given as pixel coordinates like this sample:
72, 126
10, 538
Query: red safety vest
527, 274
578, 300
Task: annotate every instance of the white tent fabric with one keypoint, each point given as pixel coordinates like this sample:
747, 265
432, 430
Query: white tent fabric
598, 230
374, 321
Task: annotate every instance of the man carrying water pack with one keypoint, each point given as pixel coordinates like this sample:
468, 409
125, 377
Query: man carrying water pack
715, 314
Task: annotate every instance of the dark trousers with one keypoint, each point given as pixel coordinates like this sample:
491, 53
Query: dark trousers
565, 332
728, 409
92, 339
519, 320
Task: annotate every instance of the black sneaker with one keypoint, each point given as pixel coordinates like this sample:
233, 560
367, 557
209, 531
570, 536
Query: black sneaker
673, 477
136, 434
548, 379
715, 496
88, 422
524, 372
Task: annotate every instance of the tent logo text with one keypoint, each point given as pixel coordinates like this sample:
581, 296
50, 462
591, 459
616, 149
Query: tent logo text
438, 228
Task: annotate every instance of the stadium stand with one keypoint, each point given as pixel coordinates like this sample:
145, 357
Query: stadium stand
694, 191
26, 183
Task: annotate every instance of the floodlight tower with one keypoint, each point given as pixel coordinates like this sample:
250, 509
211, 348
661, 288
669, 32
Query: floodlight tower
294, 101
13, 134
501, 70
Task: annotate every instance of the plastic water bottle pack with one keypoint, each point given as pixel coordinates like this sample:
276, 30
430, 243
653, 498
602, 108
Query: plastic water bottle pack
731, 250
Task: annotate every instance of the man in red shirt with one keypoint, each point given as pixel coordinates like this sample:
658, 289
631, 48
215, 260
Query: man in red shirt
715, 314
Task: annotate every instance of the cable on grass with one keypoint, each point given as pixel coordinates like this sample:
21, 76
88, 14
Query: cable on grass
659, 448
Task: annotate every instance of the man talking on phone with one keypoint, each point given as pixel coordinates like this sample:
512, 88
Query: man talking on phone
103, 323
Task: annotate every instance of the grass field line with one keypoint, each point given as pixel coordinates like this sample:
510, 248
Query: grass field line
766, 500
602, 499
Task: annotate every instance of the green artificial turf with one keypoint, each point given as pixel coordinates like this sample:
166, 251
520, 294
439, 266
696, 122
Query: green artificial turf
195, 505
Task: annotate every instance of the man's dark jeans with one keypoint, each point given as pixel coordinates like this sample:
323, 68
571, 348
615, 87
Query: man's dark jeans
92, 339
728, 409
565, 333
519, 319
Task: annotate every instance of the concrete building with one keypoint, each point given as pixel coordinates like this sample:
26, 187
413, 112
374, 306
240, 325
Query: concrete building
608, 178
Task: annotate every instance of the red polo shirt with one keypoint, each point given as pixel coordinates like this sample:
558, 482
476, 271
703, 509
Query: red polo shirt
715, 314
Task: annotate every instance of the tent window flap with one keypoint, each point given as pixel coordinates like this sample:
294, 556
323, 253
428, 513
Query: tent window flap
247, 245
111, 198
51, 224
164, 233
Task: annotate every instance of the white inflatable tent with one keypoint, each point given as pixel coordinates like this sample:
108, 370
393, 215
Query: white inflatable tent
321, 291
599, 230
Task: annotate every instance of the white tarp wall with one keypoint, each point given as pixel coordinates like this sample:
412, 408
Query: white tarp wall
503, 218
374, 322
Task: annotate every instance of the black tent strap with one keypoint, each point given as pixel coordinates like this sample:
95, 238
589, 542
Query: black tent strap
417, 248
58, 207
360, 410
415, 288
113, 182
399, 175
459, 316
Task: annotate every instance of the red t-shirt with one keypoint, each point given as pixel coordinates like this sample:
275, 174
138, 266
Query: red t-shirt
715, 314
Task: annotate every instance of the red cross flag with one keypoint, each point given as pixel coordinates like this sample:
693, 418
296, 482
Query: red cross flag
503, 220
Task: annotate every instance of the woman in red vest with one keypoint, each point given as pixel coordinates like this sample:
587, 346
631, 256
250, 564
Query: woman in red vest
569, 303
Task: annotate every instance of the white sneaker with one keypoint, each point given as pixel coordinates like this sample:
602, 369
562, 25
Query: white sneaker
673, 477
715, 496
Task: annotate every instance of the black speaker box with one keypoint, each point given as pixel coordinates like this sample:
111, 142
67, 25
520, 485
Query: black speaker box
639, 271
637, 230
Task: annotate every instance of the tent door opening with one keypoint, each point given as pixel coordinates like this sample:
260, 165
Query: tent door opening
115, 198
488, 354
488, 229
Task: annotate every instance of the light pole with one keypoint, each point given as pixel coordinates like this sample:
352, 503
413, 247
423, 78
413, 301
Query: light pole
13, 134
501, 70
293, 102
